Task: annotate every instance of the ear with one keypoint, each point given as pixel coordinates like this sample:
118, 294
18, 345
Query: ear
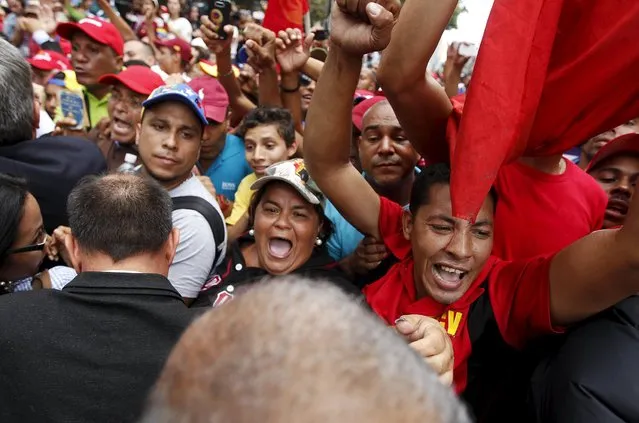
36, 116
170, 246
292, 149
407, 224
119, 62
137, 132
71, 244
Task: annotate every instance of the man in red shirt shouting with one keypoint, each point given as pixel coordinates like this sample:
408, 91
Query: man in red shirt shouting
445, 267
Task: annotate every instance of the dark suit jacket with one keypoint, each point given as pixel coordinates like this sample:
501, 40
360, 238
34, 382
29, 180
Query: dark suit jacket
88, 353
593, 378
52, 166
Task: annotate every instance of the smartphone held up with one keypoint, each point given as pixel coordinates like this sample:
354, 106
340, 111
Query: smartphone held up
220, 15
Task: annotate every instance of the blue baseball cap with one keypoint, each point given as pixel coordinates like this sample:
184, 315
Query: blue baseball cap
180, 92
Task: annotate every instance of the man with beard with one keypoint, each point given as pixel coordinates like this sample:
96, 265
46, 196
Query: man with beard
388, 160
616, 168
97, 50
130, 88
590, 148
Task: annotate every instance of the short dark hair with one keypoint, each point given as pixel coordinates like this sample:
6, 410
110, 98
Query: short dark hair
264, 115
438, 173
120, 215
326, 224
13, 194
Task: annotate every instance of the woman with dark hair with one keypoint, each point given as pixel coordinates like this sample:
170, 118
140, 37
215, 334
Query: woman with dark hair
23, 240
287, 236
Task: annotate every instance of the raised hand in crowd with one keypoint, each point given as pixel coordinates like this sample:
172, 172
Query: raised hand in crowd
367, 256
453, 68
212, 40
239, 103
359, 27
260, 46
426, 336
68, 127
292, 50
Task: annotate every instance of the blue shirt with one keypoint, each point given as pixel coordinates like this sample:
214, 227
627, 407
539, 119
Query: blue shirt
229, 168
345, 238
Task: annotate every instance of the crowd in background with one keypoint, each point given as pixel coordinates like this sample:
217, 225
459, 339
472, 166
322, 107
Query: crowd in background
231, 222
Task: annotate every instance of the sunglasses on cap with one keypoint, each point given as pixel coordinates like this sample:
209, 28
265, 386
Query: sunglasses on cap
305, 81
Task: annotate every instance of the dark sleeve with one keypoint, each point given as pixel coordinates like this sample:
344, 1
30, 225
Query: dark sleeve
593, 377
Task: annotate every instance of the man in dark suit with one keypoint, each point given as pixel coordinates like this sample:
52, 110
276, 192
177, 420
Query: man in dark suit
51, 165
91, 352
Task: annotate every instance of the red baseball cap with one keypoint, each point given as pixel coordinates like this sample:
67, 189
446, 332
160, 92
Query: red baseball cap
140, 79
179, 45
628, 144
98, 29
213, 96
360, 110
50, 60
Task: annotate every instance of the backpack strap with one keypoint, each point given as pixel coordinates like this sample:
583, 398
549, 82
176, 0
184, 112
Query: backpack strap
211, 215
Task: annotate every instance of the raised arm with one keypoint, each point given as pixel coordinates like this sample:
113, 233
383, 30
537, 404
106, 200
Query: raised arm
420, 103
292, 54
313, 68
596, 272
328, 122
125, 30
240, 104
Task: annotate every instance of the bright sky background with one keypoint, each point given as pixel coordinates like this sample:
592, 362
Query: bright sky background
470, 28
472, 23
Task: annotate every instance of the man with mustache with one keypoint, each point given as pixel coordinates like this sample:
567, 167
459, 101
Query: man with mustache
616, 168
388, 162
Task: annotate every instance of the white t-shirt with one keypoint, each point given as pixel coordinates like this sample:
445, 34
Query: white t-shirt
193, 262
181, 27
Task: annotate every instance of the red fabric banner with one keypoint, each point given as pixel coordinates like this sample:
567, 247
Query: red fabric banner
282, 14
550, 74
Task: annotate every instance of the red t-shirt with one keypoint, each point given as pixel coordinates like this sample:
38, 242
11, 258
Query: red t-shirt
518, 295
538, 213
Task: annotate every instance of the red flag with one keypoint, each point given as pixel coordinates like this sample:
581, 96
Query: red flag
282, 14
550, 74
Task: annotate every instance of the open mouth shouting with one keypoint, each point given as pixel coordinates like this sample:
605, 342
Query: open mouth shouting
448, 278
280, 248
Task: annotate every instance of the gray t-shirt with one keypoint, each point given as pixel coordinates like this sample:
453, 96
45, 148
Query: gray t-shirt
193, 262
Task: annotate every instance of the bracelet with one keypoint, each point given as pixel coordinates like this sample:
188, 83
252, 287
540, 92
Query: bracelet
227, 74
290, 90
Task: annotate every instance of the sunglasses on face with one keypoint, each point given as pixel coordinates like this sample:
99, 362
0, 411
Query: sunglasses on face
33, 247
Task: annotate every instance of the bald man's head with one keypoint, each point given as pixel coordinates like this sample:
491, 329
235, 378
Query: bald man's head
302, 351
137, 50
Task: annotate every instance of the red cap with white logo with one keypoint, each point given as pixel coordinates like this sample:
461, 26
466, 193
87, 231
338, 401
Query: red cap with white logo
99, 30
50, 61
